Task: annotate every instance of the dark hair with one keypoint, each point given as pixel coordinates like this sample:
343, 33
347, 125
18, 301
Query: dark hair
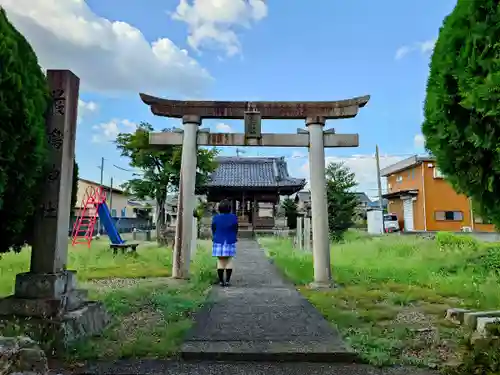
225, 206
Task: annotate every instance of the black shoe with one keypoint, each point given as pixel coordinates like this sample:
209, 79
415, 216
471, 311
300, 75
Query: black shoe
222, 284
227, 284
229, 272
220, 274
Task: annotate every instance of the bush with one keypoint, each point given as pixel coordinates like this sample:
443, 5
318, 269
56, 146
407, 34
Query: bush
452, 241
23, 146
481, 357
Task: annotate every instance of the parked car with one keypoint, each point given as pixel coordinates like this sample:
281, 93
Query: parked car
391, 223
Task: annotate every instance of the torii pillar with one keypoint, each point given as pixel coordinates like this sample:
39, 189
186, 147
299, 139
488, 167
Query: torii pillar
319, 204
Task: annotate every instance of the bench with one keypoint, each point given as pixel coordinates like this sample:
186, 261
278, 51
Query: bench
124, 247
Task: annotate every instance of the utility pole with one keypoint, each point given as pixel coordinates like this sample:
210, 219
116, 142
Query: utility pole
100, 183
111, 196
379, 179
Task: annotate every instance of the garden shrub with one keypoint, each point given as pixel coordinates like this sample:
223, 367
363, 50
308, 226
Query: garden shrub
23, 147
452, 241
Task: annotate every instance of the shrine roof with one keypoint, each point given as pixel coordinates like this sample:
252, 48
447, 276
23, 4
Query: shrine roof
253, 172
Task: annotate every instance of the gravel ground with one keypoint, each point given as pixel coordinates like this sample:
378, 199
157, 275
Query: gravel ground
149, 367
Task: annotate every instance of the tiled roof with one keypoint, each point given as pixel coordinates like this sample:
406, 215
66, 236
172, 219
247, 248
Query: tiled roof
304, 196
362, 197
253, 172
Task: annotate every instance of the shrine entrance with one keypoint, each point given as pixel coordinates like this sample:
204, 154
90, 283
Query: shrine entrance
314, 137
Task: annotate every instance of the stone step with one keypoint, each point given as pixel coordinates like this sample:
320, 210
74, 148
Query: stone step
268, 351
470, 318
486, 325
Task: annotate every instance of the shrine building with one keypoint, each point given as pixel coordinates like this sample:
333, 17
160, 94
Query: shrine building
253, 185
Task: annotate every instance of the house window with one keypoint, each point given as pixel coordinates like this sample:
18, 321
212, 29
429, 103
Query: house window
399, 179
113, 212
124, 212
449, 215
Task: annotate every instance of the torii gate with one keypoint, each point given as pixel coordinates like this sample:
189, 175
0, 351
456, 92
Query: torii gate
313, 137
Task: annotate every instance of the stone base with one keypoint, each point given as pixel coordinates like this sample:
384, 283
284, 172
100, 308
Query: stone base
43, 307
57, 332
323, 286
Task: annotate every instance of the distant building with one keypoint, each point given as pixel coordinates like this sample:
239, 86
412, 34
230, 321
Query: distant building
116, 199
375, 204
303, 200
363, 200
418, 193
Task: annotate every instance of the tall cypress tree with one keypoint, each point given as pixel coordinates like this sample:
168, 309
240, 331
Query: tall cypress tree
23, 148
462, 107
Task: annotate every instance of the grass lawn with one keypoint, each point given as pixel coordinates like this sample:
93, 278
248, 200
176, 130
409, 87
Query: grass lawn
151, 313
395, 290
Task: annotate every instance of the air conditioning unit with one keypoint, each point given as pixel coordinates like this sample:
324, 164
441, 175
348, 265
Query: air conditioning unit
466, 229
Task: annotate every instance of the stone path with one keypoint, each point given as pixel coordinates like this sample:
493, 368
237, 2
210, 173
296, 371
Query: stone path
262, 318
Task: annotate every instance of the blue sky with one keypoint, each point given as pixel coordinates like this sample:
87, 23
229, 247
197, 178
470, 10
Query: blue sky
241, 50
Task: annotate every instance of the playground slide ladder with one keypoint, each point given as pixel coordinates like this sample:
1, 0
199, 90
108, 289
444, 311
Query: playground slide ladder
83, 229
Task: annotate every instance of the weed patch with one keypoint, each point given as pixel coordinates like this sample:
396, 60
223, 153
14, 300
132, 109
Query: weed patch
395, 291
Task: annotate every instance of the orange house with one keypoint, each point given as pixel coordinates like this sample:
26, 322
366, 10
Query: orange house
424, 201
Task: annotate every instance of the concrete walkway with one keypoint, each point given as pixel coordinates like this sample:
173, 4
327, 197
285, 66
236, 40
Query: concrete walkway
260, 317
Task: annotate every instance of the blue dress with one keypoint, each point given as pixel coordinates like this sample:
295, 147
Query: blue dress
224, 234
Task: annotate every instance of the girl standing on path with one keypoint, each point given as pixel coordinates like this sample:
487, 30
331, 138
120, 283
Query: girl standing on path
224, 237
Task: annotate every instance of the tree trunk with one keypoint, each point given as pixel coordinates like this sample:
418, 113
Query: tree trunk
160, 222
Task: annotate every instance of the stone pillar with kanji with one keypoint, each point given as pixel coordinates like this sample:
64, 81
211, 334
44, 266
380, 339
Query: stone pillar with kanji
47, 302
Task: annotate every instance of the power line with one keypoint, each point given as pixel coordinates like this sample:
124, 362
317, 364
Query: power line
354, 156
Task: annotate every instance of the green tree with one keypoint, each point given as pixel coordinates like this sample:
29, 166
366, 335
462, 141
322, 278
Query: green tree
23, 146
160, 168
342, 201
290, 208
74, 187
462, 106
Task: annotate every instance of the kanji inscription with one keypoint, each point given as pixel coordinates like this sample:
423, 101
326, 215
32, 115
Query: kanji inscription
54, 174
55, 138
59, 102
252, 124
49, 210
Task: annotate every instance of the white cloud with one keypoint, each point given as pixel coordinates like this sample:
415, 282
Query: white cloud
211, 23
85, 108
222, 127
108, 131
107, 55
363, 166
419, 141
424, 47
402, 52
427, 46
